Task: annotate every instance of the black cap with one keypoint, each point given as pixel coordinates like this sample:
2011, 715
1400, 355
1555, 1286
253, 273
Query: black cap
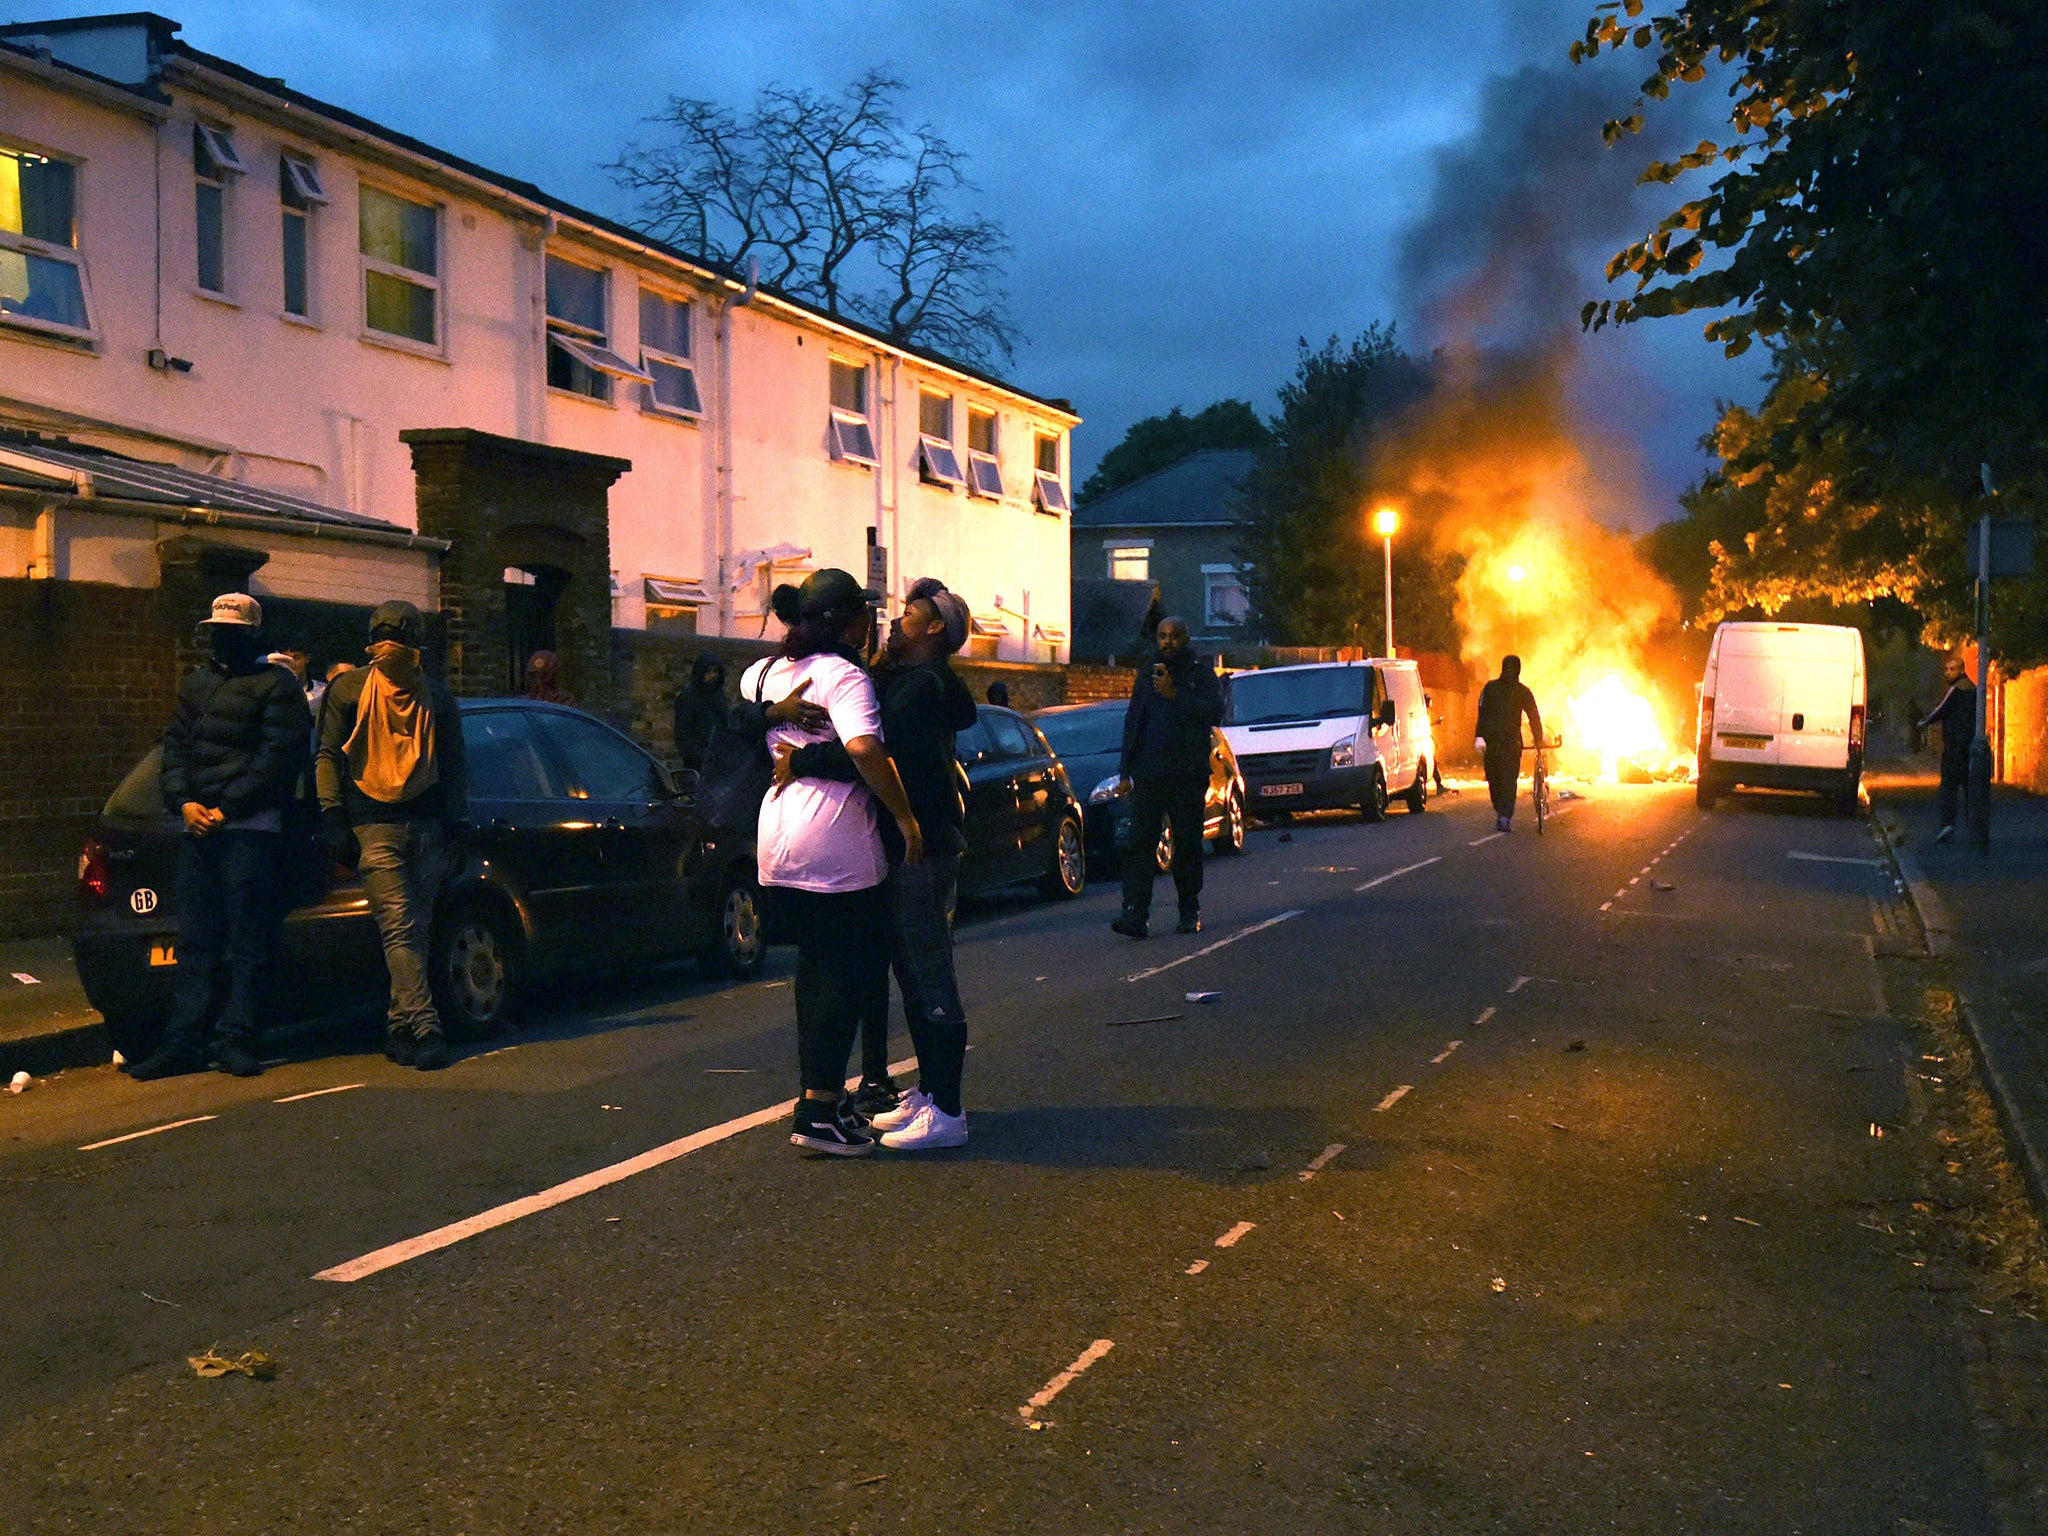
833, 591
397, 620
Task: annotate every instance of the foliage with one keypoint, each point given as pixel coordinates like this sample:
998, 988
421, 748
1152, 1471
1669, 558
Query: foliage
1315, 567
840, 202
1159, 441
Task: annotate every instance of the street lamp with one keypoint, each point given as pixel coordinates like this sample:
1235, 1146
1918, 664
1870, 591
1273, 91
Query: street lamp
1517, 574
1384, 522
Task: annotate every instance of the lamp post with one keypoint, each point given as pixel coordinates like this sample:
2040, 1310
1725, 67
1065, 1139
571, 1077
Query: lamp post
1384, 522
1517, 574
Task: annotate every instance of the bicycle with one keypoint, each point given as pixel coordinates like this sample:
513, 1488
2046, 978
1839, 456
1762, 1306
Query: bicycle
1539, 780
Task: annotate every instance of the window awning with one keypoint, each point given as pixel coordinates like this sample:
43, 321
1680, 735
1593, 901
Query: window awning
675, 592
1052, 634
601, 359
1049, 493
939, 462
989, 626
744, 566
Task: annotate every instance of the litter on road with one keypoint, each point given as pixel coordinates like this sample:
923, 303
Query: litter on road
21, 1082
252, 1363
27, 980
1203, 997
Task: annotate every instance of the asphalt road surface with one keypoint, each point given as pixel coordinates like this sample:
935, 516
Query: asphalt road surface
1510, 1184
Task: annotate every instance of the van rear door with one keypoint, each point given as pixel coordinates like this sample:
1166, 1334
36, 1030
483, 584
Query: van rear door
1749, 699
1817, 674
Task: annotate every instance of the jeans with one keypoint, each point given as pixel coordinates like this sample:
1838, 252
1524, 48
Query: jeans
230, 918
1503, 770
842, 949
402, 866
1178, 803
921, 953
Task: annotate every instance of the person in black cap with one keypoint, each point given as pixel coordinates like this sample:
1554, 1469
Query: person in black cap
1175, 704
818, 852
1502, 704
393, 779
231, 758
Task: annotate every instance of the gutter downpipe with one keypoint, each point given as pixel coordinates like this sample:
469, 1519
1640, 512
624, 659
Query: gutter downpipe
722, 500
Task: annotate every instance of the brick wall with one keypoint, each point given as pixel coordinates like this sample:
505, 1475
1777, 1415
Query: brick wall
2022, 730
1091, 685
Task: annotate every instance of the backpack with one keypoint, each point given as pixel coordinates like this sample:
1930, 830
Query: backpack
736, 773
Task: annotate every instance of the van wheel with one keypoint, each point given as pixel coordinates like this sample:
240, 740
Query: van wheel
1847, 802
1374, 806
478, 971
1418, 792
1230, 836
1705, 792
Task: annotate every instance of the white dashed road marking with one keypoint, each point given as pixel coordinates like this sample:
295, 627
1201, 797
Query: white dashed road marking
154, 1130
1392, 1099
1477, 841
317, 1093
1065, 1379
1444, 1055
1484, 1015
1317, 1163
1229, 1239
1396, 874
1210, 949
1197, 1267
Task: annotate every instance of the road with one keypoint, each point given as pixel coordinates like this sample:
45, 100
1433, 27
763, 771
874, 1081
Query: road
1510, 1184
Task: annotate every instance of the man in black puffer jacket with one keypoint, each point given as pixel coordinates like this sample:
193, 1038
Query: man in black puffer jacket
231, 760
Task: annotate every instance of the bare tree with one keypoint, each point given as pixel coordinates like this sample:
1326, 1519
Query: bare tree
840, 203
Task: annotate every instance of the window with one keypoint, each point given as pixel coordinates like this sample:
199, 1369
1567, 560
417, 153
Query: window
1224, 598
576, 313
1047, 489
937, 461
298, 193
214, 160
603, 765
972, 744
42, 278
504, 760
1130, 562
984, 473
1009, 735
665, 354
672, 604
401, 246
851, 438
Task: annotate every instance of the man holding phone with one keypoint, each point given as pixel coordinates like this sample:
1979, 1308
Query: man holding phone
1175, 704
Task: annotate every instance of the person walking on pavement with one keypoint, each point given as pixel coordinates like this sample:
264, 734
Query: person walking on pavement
232, 756
1175, 704
819, 855
1956, 714
924, 704
392, 774
1503, 702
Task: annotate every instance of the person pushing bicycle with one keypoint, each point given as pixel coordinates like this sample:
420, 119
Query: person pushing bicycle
1502, 704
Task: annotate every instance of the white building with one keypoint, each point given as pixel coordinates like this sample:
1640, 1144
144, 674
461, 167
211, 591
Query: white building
201, 266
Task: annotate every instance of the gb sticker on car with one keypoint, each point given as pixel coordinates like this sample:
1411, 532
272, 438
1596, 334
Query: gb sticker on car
142, 900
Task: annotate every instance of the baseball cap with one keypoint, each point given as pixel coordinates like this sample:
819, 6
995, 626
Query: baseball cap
236, 608
833, 591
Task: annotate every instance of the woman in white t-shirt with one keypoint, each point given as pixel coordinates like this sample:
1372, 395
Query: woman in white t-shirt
819, 855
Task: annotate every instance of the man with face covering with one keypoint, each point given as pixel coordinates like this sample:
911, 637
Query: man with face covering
231, 757
700, 709
392, 777
1502, 704
1175, 703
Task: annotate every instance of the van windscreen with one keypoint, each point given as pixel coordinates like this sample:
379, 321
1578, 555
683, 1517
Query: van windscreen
1318, 693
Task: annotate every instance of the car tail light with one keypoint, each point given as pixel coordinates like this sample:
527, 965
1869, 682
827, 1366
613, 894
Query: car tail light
1855, 726
1706, 730
95, 876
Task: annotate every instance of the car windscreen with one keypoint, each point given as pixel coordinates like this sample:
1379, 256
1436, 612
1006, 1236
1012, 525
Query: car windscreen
1318, 693
1083, 732
138, 802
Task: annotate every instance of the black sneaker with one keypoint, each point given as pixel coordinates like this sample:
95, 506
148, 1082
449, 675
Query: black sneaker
1190, 922
168, 1060
1128, 924
830, 1132
430, 1052
875, 1096
400, 1046
237, 1060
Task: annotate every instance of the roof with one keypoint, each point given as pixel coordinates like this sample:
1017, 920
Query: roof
165, 46
1201, 489
38, 465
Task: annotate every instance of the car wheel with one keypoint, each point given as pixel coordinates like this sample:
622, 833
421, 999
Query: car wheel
1068, 874
1230, 837
1374, 806
1418, 792
478, 971
1162, 851
740, 946
135, 1036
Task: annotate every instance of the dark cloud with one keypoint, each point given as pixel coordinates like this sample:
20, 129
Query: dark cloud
1190, 186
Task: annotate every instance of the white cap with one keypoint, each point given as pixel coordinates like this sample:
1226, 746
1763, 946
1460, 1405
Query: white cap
238, 609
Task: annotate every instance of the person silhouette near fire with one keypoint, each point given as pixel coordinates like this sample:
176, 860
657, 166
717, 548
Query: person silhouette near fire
1502, 704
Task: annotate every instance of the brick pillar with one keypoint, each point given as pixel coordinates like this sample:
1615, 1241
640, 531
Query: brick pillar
504, 503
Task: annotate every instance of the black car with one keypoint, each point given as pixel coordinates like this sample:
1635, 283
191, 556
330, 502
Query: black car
584, 858
1089, 739
1023, 819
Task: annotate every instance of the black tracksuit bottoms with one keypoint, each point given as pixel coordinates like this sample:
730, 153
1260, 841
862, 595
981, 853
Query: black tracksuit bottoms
1176, 802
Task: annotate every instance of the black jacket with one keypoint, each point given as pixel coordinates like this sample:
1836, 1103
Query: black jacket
237, 743
1502, 704
1169, 738
922, 708
445, 800
1956, 714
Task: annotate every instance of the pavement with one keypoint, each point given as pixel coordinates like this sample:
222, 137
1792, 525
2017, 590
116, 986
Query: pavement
46, 1025
1623, 1178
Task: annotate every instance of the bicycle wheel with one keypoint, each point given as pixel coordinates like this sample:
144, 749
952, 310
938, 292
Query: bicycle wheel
1539, 791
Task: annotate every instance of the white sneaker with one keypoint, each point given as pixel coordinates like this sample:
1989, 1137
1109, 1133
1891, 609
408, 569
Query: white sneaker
931, 1127
905, 1111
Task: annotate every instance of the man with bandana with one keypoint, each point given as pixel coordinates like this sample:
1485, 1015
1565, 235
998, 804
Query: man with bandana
392, 778
231, 757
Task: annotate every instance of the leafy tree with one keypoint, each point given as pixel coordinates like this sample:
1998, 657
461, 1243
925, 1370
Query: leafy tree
840, 202
1159, 441
1315, 568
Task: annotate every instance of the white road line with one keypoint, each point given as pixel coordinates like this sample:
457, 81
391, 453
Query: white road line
1444, 1055
1406, 869
1519, 983
1484, 1015
394, 1254
1197, 1267
154, 1130
1392, 1099
317, 1093
1210, 949
1486, 839
1831, 858
1229, 1239
1321, 1160
1065, 1379
1605, 905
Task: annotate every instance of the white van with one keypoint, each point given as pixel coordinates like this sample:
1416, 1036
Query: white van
1348, 733
1782, 706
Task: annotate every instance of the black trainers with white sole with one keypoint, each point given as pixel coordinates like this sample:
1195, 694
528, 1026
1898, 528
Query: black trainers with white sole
829, 1132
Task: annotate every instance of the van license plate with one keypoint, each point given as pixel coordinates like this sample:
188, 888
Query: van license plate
1746, 743
163, 954
1273, 791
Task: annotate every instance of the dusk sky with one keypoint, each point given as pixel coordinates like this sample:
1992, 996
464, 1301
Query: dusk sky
1189, 186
